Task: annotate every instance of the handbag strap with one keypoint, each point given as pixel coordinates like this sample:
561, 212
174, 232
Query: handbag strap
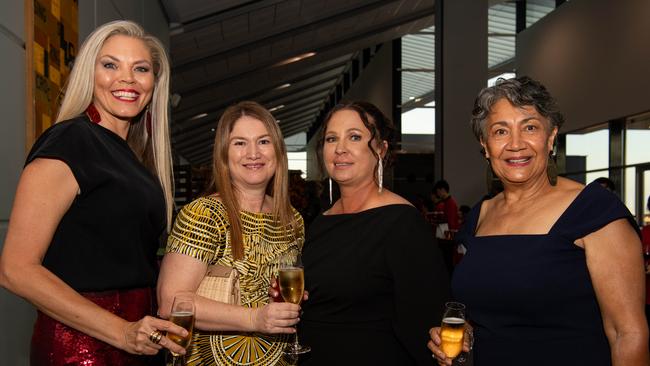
219, 270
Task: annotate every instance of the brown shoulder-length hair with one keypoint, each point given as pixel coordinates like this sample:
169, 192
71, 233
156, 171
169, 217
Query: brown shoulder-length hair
222, 180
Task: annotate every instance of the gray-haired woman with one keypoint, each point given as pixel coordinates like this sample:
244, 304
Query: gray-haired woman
553, 272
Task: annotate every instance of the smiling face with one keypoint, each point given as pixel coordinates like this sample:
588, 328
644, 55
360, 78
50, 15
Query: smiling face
251, 154
518, 143
124, 78
347, 158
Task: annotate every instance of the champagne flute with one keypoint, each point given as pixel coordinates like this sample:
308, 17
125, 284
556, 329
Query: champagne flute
182, 314
291, 278
453, 330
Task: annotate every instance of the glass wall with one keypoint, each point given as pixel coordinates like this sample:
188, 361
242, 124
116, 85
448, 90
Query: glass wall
588, 156
297, 159
417, 104
537, 9
637, 153
501, 33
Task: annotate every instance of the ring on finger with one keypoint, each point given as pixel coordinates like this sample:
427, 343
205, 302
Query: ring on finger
155, 336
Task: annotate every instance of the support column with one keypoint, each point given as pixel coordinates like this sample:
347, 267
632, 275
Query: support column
461, 72
617, 153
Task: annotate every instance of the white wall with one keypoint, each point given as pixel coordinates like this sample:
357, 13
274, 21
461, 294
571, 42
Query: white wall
593, 56
16, 315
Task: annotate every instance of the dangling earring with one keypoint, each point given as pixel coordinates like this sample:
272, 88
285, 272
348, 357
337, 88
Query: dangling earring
330, 181
380, 174
551, 169
93, 113
147, 120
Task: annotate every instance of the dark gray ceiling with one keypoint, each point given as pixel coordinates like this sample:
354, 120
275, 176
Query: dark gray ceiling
224, 51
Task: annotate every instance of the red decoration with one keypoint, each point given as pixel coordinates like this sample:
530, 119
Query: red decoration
93, 114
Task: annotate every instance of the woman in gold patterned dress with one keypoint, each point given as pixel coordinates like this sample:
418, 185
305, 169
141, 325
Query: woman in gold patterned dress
245, 225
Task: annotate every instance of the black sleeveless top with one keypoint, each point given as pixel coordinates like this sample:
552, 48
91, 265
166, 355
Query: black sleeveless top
530, 297
108, 238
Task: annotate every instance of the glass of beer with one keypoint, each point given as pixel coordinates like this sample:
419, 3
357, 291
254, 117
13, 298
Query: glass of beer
452, 331
182, 314
291, 278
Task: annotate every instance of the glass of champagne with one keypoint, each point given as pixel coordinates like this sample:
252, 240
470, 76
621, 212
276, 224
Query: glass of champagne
291, 278
452, 331
182, 314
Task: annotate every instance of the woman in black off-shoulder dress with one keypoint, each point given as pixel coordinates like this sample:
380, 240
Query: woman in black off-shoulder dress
372, 267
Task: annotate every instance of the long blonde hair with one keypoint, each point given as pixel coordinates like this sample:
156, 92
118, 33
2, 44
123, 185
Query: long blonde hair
153, 149
222, 179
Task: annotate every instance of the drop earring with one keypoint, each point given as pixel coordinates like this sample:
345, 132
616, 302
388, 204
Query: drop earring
330, 184
93, 113
380, 175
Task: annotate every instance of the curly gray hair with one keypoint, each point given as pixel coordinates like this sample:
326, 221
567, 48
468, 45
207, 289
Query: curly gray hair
520, 91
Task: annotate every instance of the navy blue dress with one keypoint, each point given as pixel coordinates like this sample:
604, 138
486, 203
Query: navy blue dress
530, 297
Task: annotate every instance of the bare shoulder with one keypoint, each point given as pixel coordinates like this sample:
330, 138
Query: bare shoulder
567, 189
389, 198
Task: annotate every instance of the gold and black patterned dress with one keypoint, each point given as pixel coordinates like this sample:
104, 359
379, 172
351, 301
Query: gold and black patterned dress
201, 231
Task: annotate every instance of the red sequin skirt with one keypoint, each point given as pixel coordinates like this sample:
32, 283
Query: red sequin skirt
56, 344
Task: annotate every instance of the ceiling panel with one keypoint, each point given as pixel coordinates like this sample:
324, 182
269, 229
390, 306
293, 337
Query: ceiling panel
224, 51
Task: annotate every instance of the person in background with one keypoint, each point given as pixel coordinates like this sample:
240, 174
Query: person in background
446, 204
83, 252
374, 274
445, 213
553, 272
606, 183
245, 223
463, 211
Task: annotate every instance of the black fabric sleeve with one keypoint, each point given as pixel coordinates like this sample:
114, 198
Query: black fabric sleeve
421, 284
69, 142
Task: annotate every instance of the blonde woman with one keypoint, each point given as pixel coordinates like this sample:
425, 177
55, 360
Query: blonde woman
91, 203
246, 225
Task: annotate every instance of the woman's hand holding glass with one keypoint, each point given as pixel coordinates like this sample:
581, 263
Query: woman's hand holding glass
275, 318
137, 336
182, 314
291, 280
453, 337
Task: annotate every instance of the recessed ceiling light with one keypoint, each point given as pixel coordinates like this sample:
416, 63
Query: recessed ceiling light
212, 129
200, 115
411, 98
296, 58
277, 121
283, 86
276, 108
417, 99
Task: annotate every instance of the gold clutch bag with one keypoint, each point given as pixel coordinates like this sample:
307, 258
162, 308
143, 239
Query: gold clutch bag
220, 283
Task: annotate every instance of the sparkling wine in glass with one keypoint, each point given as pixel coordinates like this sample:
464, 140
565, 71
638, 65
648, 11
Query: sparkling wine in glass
452, 330
182, 315
291, 278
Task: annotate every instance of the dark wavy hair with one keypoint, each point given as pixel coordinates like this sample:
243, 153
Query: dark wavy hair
521, 91
381, 129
